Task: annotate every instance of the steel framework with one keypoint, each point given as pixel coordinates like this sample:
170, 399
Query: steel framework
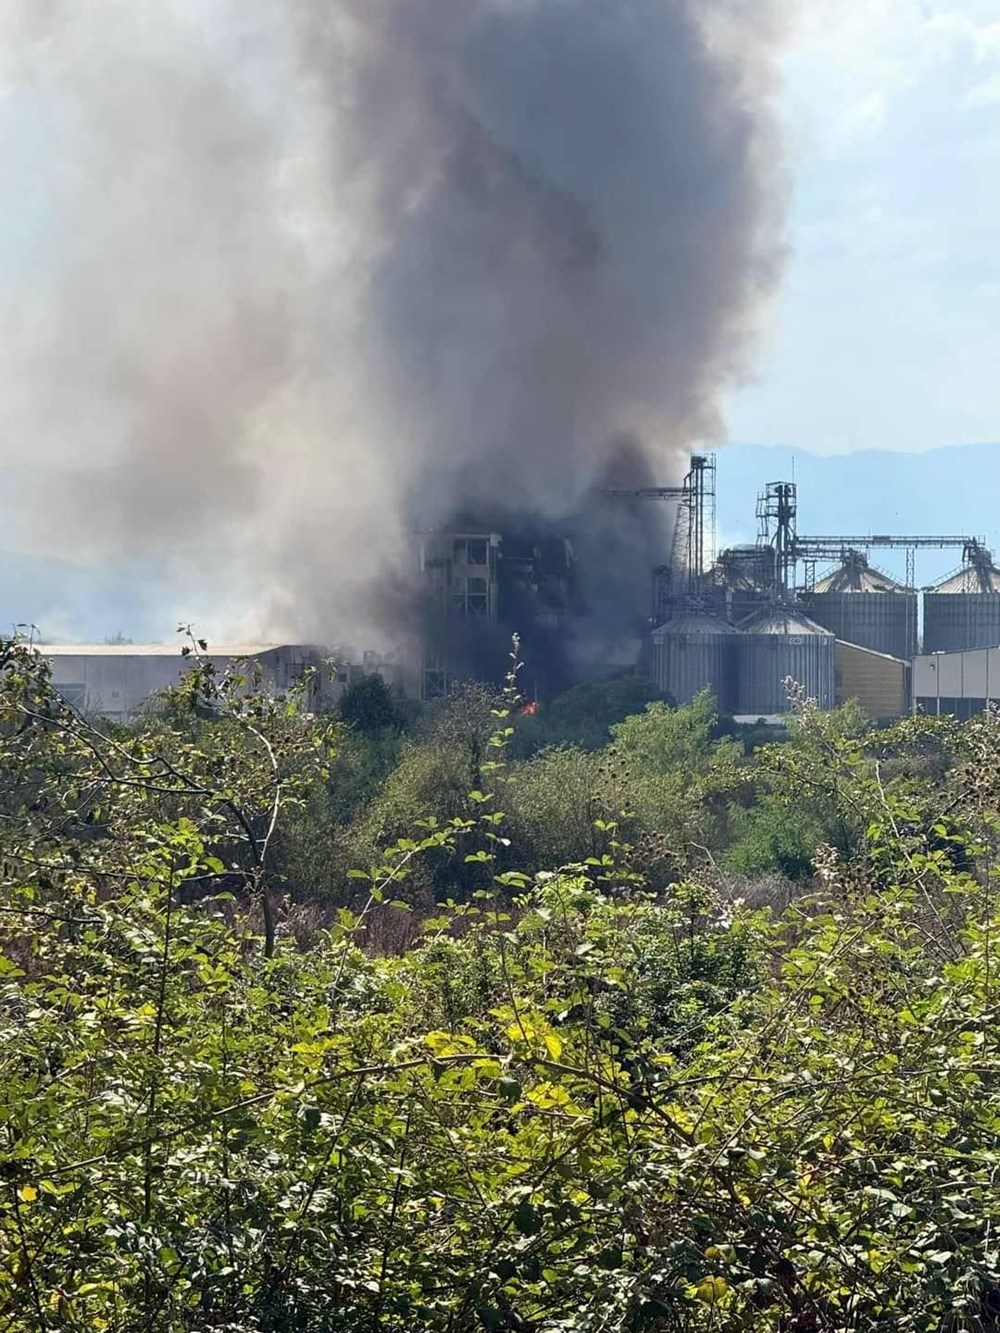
694, 539
777, 511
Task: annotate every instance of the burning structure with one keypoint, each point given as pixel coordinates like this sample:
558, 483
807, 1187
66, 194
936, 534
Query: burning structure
642, 590
308, 276
481, 586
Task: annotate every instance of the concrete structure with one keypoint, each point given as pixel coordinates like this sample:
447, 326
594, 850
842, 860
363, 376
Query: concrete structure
116, 680
777, 644
960, 684
480, 586
879, 682
461, 571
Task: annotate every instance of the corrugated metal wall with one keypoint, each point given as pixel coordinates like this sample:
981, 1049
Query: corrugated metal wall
774, 647
693, 653
886, 622
877, 682
956, 621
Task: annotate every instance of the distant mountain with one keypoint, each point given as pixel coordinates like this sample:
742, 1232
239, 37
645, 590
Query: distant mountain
951, 491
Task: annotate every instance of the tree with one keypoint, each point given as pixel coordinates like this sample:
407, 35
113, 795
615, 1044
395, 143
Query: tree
679, 778
368, 706
583, 716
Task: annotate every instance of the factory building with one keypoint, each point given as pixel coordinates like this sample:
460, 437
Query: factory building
116, 680
851, 633
879, 682
961, 683
480, 586
742, 622
746, 668
461, 572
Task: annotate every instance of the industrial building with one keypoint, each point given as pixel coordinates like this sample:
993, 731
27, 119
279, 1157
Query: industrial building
461, 570
742, 623
748, 620
879, 682
959, 683
116, 680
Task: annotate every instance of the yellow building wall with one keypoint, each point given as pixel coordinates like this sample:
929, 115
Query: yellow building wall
879, 683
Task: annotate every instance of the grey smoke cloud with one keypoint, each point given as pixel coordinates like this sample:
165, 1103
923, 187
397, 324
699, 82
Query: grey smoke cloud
281, 275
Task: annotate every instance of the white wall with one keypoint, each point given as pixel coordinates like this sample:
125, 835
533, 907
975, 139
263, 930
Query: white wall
970, 675
117, 684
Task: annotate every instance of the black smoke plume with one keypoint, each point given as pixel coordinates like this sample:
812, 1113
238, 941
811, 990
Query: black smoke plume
288, 274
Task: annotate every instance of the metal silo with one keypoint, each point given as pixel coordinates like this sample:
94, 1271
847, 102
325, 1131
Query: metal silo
862, 605
778, 643
963, 611
694, 651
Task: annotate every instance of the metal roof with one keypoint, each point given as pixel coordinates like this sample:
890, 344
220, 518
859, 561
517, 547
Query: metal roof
694, 622
872, 652
852, 577
154, 649
782, 620
971, 578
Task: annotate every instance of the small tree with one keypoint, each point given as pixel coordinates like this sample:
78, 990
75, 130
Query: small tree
368, 706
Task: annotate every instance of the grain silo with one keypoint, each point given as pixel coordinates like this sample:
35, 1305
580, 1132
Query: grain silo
963, 611
694, 651
777, 644
864, 606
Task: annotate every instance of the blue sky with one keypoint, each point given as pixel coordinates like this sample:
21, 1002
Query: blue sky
887, 331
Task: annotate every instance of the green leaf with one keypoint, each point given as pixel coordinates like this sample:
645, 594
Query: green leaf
311, 1117
527, 1219
554, 1045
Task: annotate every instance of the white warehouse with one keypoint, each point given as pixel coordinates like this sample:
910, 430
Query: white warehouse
115, 680
961, 684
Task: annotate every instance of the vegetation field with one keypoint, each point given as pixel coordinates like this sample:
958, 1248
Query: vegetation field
606, 1017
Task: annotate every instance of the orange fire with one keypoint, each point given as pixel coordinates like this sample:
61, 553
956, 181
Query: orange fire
529, 710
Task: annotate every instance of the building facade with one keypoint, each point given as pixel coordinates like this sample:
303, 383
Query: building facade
117, 680
961, 684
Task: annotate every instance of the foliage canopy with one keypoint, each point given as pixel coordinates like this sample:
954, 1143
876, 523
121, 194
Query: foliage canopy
573, 1104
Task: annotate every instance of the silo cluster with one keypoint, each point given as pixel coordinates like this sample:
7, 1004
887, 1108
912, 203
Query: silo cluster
747, 666
754, 618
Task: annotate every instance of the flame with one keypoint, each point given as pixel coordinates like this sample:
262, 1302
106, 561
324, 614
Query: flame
529, 710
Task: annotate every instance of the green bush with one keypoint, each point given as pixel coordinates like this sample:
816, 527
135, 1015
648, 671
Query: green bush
571, 1106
